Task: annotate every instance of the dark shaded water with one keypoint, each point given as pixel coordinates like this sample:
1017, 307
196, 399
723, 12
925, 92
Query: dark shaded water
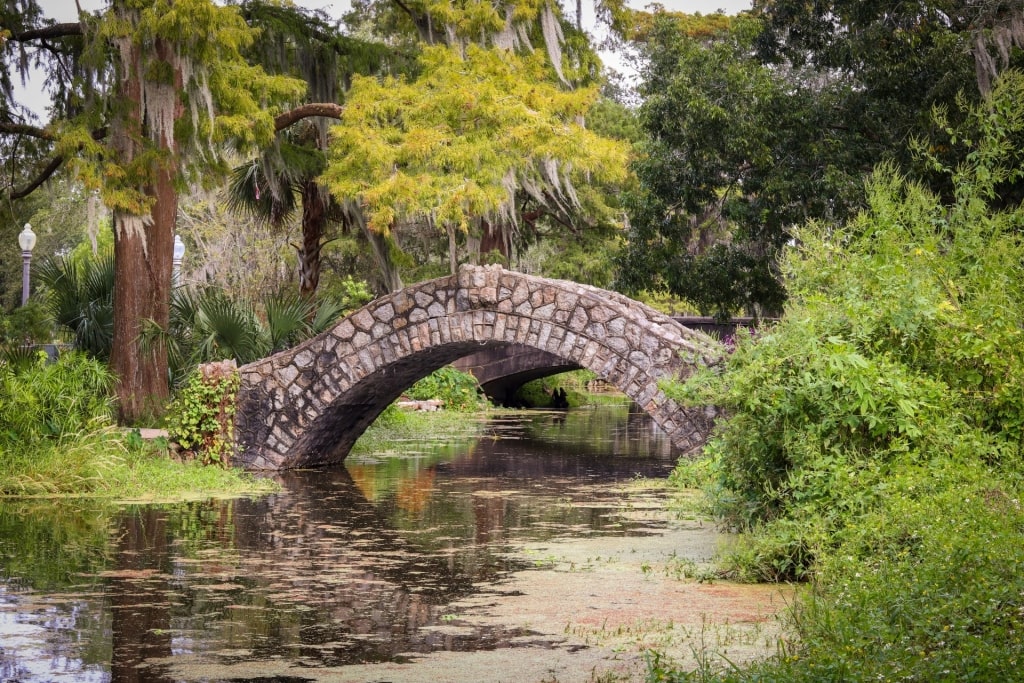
348, 566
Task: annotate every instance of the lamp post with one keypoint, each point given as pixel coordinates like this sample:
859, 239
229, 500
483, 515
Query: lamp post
27, 241
179, 254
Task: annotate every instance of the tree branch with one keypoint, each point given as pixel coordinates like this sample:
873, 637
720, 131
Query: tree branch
55, 163
55, 31
43, 176
327, 109
8, 128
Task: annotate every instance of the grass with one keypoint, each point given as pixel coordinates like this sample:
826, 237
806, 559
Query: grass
395, 426
107, 463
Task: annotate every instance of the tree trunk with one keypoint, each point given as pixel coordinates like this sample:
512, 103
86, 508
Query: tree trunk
453, 254
143, 252
381, 246
142, 289
314, 215
493, 238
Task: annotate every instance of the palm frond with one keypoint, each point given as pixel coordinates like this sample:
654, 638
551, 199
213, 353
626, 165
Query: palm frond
327, 313
81, 300
287, 316
228, 329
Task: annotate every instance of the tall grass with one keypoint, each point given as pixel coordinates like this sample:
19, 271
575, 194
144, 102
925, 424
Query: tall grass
57, 437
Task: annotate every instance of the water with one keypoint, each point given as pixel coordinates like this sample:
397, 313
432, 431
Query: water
347, 568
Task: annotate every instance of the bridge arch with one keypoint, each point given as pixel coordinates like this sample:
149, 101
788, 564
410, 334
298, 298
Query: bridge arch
306, 406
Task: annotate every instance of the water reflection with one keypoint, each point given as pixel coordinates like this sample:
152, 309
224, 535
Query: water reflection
346, 566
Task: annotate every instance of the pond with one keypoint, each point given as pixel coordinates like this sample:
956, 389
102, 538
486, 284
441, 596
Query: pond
541, 550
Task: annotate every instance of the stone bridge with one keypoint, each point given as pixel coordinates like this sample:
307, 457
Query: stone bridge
306, 406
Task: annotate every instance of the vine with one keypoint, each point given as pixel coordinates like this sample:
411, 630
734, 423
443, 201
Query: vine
202, 417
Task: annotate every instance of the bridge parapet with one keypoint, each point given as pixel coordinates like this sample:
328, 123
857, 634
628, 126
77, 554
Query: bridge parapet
307, 406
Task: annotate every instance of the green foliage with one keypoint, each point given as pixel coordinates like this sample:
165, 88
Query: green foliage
208, 325
587, 257
28, 324
51, 402
347, 294
202, 416
228, 100
925, 587
455, 144
539, 393
874, 434
80, 297
612, 119
711, 210
456, 389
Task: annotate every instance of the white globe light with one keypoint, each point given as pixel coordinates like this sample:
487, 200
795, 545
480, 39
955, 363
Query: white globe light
179, 248
27, 238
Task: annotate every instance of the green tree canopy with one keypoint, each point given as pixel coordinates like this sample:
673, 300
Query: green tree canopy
150, 93
735, 153
476, 134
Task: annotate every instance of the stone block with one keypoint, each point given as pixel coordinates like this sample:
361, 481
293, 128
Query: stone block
579, 319
384, 313
362, 319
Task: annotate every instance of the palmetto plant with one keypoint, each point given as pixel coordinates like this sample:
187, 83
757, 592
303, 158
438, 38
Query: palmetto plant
80, 297
208, 325
205, 324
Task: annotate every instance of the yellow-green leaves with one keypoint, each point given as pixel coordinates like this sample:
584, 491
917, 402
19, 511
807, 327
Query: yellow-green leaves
184, 91
464, 138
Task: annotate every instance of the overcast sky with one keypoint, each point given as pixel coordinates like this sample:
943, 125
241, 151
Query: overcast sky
64, 10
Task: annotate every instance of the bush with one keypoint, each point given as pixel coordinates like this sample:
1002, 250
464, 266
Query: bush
874, 435
28, 324
927, 587
52, 401
901, 342
457, 390
202, 415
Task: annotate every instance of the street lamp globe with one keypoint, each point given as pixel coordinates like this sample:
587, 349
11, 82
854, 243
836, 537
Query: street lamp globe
178, 254
27, 242
27, 238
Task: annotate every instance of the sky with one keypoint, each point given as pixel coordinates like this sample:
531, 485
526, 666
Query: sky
64, 11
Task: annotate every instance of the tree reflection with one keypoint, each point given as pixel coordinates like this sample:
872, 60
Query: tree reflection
140, 608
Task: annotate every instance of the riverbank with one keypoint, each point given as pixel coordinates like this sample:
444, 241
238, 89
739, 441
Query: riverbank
109, 463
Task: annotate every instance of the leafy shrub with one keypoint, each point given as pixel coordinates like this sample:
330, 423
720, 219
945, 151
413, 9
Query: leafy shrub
52, 401
874, 435
28, 324
927, 587
901, 341
202, 416
457, 390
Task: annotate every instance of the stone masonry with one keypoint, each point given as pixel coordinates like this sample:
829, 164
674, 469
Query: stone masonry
306, 406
